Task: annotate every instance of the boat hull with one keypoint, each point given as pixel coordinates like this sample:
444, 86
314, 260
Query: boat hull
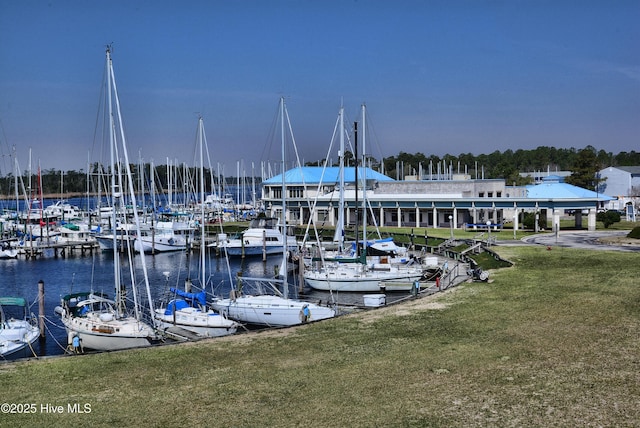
159, 246
117, 334
271, 311
204, 324
256, 250
355, 280
16, 335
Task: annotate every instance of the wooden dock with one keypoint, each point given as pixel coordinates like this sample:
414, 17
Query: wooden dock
56, 250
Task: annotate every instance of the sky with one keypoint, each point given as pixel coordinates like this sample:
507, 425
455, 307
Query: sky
437, 77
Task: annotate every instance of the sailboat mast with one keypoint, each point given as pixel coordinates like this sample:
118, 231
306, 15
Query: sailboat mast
364, 182
132, 195
339, 234
114, 191
285, 285
202, 243
355, 144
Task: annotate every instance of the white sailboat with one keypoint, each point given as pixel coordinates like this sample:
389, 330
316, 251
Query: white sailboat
7, 251
355, 271
17, 331
267, 306
188, 310
263, 237
165, 236
100, 323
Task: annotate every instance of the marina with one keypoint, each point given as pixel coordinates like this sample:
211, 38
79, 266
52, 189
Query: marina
62, 276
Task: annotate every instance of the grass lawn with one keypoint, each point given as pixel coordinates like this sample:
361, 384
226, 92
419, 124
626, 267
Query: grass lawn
552, 341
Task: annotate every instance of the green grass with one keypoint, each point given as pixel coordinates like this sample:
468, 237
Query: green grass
552, 341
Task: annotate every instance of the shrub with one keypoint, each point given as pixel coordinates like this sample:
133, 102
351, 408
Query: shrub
529, 220
635, 233
608, 218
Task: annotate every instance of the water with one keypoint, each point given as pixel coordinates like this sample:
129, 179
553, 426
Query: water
61, 276
244, 193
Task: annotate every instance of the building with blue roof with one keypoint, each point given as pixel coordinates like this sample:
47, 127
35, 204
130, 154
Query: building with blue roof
457, 201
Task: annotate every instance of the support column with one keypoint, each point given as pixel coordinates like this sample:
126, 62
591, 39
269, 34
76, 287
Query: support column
332, 216
578, 219
399, 217
417, 217
347, 217
591, 220
435, 217
474, 215
555, 214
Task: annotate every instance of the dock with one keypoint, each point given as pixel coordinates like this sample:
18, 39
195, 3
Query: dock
56, 249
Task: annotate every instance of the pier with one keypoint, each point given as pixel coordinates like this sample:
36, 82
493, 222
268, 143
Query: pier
55, 249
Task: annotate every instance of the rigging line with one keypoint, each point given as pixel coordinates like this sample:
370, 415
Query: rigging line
51, 334
312, 207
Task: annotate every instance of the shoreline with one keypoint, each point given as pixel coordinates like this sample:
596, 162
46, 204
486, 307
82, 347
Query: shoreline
57, 196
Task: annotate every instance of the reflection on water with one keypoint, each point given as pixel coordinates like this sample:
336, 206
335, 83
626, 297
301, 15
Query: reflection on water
61, 276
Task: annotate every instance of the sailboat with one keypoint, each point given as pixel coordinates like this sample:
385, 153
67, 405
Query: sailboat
189, 310
356, 271
267, 306
101, 323
17, 331
165, 236
263, 237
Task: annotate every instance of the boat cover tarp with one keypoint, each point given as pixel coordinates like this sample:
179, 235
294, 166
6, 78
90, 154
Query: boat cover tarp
175, 305
379, 247
200, 297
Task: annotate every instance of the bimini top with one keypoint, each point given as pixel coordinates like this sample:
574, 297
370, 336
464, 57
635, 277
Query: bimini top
13, 301
313, 175
554, 187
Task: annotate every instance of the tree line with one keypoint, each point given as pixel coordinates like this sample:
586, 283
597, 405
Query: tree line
507, 165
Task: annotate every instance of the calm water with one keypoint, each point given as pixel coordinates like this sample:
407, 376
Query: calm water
61, 276
90, 203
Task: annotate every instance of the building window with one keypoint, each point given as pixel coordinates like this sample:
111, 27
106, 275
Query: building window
498, 194
489, 194
296, 191
481, 195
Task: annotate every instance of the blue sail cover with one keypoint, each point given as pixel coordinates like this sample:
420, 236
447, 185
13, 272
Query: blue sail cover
371, 244
200, 297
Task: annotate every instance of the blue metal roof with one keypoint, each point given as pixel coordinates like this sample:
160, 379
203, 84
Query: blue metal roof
554, 187
314, 175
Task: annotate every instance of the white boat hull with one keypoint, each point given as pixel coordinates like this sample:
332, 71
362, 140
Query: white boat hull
16, 335
237, 249
273, 311
205, 324
116, 334
159, 246
357, 278
8, 253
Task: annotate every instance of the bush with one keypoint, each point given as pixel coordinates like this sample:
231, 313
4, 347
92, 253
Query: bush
608, 218
529, 220
635, 233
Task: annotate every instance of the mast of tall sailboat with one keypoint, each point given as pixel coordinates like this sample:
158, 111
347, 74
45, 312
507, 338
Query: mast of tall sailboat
339, 233
132, 195
201, 138
285, 285
364, 182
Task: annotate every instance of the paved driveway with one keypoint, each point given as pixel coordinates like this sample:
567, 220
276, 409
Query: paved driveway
581, 239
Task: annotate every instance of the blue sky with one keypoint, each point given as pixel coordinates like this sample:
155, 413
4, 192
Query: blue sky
438, 77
